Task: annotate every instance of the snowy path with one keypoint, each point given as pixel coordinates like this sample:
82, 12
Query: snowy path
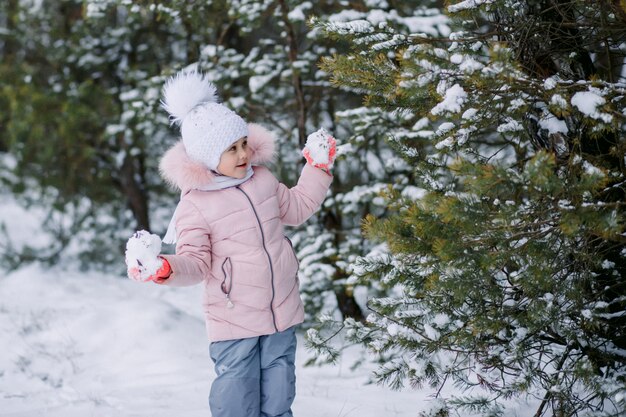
94, 345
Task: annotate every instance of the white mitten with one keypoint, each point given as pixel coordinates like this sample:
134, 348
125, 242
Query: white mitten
142, 251
320, 149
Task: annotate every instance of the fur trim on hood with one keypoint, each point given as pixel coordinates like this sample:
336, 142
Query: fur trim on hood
185, 174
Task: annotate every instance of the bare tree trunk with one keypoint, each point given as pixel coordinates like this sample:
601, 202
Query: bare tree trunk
345, 298
130, 172
295, 75
8, 48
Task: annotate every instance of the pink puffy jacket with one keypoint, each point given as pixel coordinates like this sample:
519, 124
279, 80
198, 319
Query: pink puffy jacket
232, 241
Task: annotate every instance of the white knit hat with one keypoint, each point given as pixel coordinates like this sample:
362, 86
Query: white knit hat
207, 127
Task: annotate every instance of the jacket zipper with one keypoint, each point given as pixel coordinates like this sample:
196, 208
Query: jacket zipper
269, 258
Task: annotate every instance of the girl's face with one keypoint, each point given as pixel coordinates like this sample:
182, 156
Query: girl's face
234, 160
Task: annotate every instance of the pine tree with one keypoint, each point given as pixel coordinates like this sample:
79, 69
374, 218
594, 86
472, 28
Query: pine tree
505, 275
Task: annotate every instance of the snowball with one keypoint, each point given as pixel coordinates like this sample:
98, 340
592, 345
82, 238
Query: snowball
318, 145
142, 251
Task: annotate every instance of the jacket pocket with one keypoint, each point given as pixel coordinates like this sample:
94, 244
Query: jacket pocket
293, 251
227, 280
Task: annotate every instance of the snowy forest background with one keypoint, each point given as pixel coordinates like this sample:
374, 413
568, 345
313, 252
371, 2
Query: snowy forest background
474, 238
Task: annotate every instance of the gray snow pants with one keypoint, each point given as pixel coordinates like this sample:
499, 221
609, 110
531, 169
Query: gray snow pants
255, 376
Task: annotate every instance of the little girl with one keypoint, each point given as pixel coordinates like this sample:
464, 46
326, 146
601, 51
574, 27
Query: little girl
229, 236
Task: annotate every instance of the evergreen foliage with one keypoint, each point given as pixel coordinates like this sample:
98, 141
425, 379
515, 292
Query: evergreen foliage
505, 274
486, 157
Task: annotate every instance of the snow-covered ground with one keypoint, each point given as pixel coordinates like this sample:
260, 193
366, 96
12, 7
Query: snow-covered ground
90, 344
79, 344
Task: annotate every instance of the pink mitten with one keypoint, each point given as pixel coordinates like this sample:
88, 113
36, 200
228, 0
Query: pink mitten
159, 276
320, 149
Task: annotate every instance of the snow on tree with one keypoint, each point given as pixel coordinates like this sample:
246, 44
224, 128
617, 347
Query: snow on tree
504, 275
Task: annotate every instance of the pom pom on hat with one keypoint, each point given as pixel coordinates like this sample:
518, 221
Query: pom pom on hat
207, 127
184, 91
